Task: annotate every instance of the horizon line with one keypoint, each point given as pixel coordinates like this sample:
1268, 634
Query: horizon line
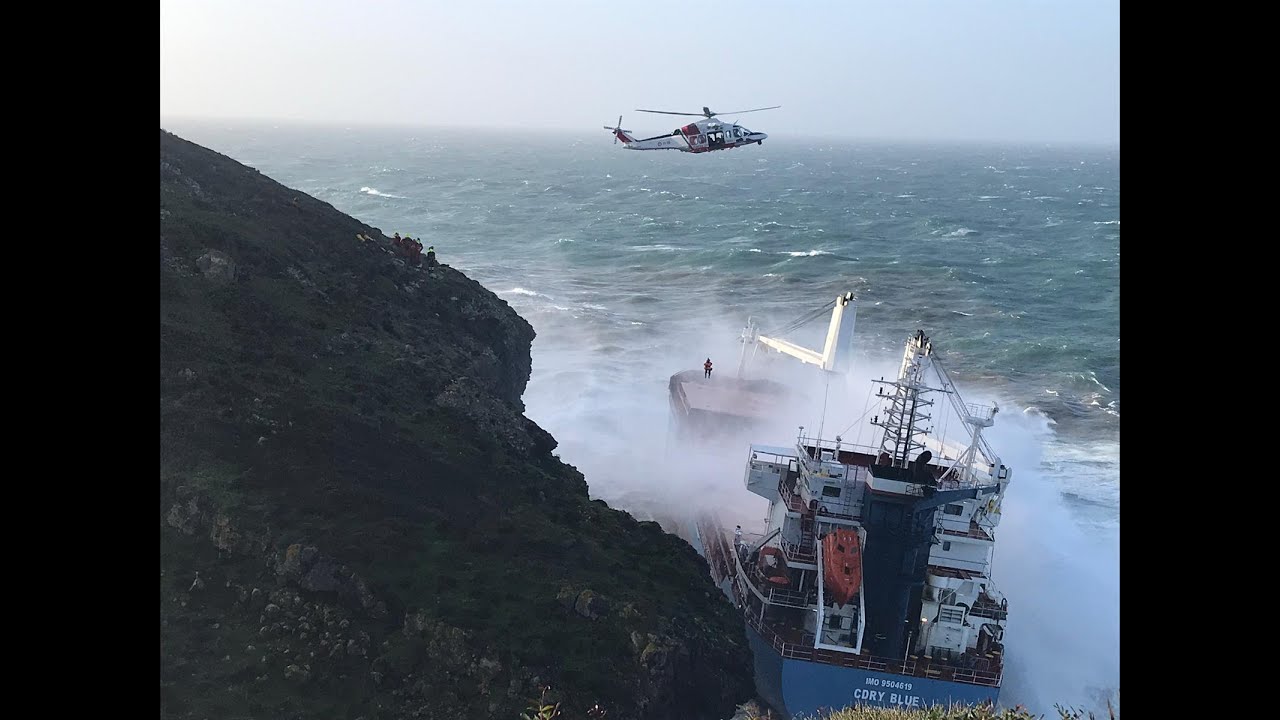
418, 126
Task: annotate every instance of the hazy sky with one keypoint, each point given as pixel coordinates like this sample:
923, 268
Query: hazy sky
1003, 70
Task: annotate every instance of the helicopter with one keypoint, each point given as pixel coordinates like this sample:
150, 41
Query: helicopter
701, 136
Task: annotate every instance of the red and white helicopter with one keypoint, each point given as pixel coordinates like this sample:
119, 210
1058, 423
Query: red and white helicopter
705, 135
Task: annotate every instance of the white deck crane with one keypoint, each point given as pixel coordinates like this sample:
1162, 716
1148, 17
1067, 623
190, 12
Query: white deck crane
836, 354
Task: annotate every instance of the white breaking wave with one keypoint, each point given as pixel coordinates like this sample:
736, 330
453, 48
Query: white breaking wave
378, 193
522, 291
656, 248
801, 253
961, 232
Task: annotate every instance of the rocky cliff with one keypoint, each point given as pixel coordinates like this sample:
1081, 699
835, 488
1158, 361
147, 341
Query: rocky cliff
356, 519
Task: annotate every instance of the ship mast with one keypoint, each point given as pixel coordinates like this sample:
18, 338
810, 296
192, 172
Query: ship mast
907, 411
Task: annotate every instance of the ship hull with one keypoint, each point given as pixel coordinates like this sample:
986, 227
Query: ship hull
798, 687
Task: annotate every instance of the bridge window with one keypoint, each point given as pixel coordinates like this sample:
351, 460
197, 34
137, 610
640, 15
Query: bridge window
953, 509
946, 546
831, 491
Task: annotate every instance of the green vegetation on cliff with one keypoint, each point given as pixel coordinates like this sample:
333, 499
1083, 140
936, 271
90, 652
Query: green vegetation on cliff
357, 520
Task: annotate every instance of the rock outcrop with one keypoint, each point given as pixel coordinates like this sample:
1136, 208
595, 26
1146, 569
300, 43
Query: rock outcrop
356, 518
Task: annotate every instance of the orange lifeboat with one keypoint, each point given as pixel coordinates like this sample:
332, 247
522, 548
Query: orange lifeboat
842, 565
773, 565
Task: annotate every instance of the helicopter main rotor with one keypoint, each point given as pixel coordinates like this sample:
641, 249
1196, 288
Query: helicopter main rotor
706, 112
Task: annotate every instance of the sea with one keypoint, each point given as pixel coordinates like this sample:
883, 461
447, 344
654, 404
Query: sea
632, 266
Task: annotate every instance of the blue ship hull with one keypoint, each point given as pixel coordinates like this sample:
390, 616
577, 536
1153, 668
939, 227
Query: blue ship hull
802, 687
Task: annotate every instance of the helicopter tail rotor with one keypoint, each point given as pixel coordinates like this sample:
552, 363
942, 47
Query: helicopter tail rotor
618, 132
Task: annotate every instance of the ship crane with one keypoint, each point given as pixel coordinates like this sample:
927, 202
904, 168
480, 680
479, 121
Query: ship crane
835, 355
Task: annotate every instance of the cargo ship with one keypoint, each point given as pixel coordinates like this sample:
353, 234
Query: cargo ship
871, 583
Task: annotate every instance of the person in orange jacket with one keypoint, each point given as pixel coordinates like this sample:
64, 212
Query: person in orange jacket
707, 366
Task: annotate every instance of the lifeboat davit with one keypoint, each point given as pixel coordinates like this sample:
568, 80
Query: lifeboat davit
842, 565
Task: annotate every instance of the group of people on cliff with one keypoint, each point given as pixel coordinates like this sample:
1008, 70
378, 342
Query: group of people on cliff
411, 250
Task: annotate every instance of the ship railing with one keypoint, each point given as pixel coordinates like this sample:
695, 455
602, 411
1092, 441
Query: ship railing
820, 445
977, 567
911, 666
771, 594
962, 477
796, 552
789, 598
793, 500
795, 503
990, 611
751, 576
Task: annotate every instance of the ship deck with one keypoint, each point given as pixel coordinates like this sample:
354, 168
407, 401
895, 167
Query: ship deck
728, 396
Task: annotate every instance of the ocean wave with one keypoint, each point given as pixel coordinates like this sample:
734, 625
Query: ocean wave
528, 293
961, 312
378, 193
1034, 411
1106, 222
960, 232
799, 253
656, 248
